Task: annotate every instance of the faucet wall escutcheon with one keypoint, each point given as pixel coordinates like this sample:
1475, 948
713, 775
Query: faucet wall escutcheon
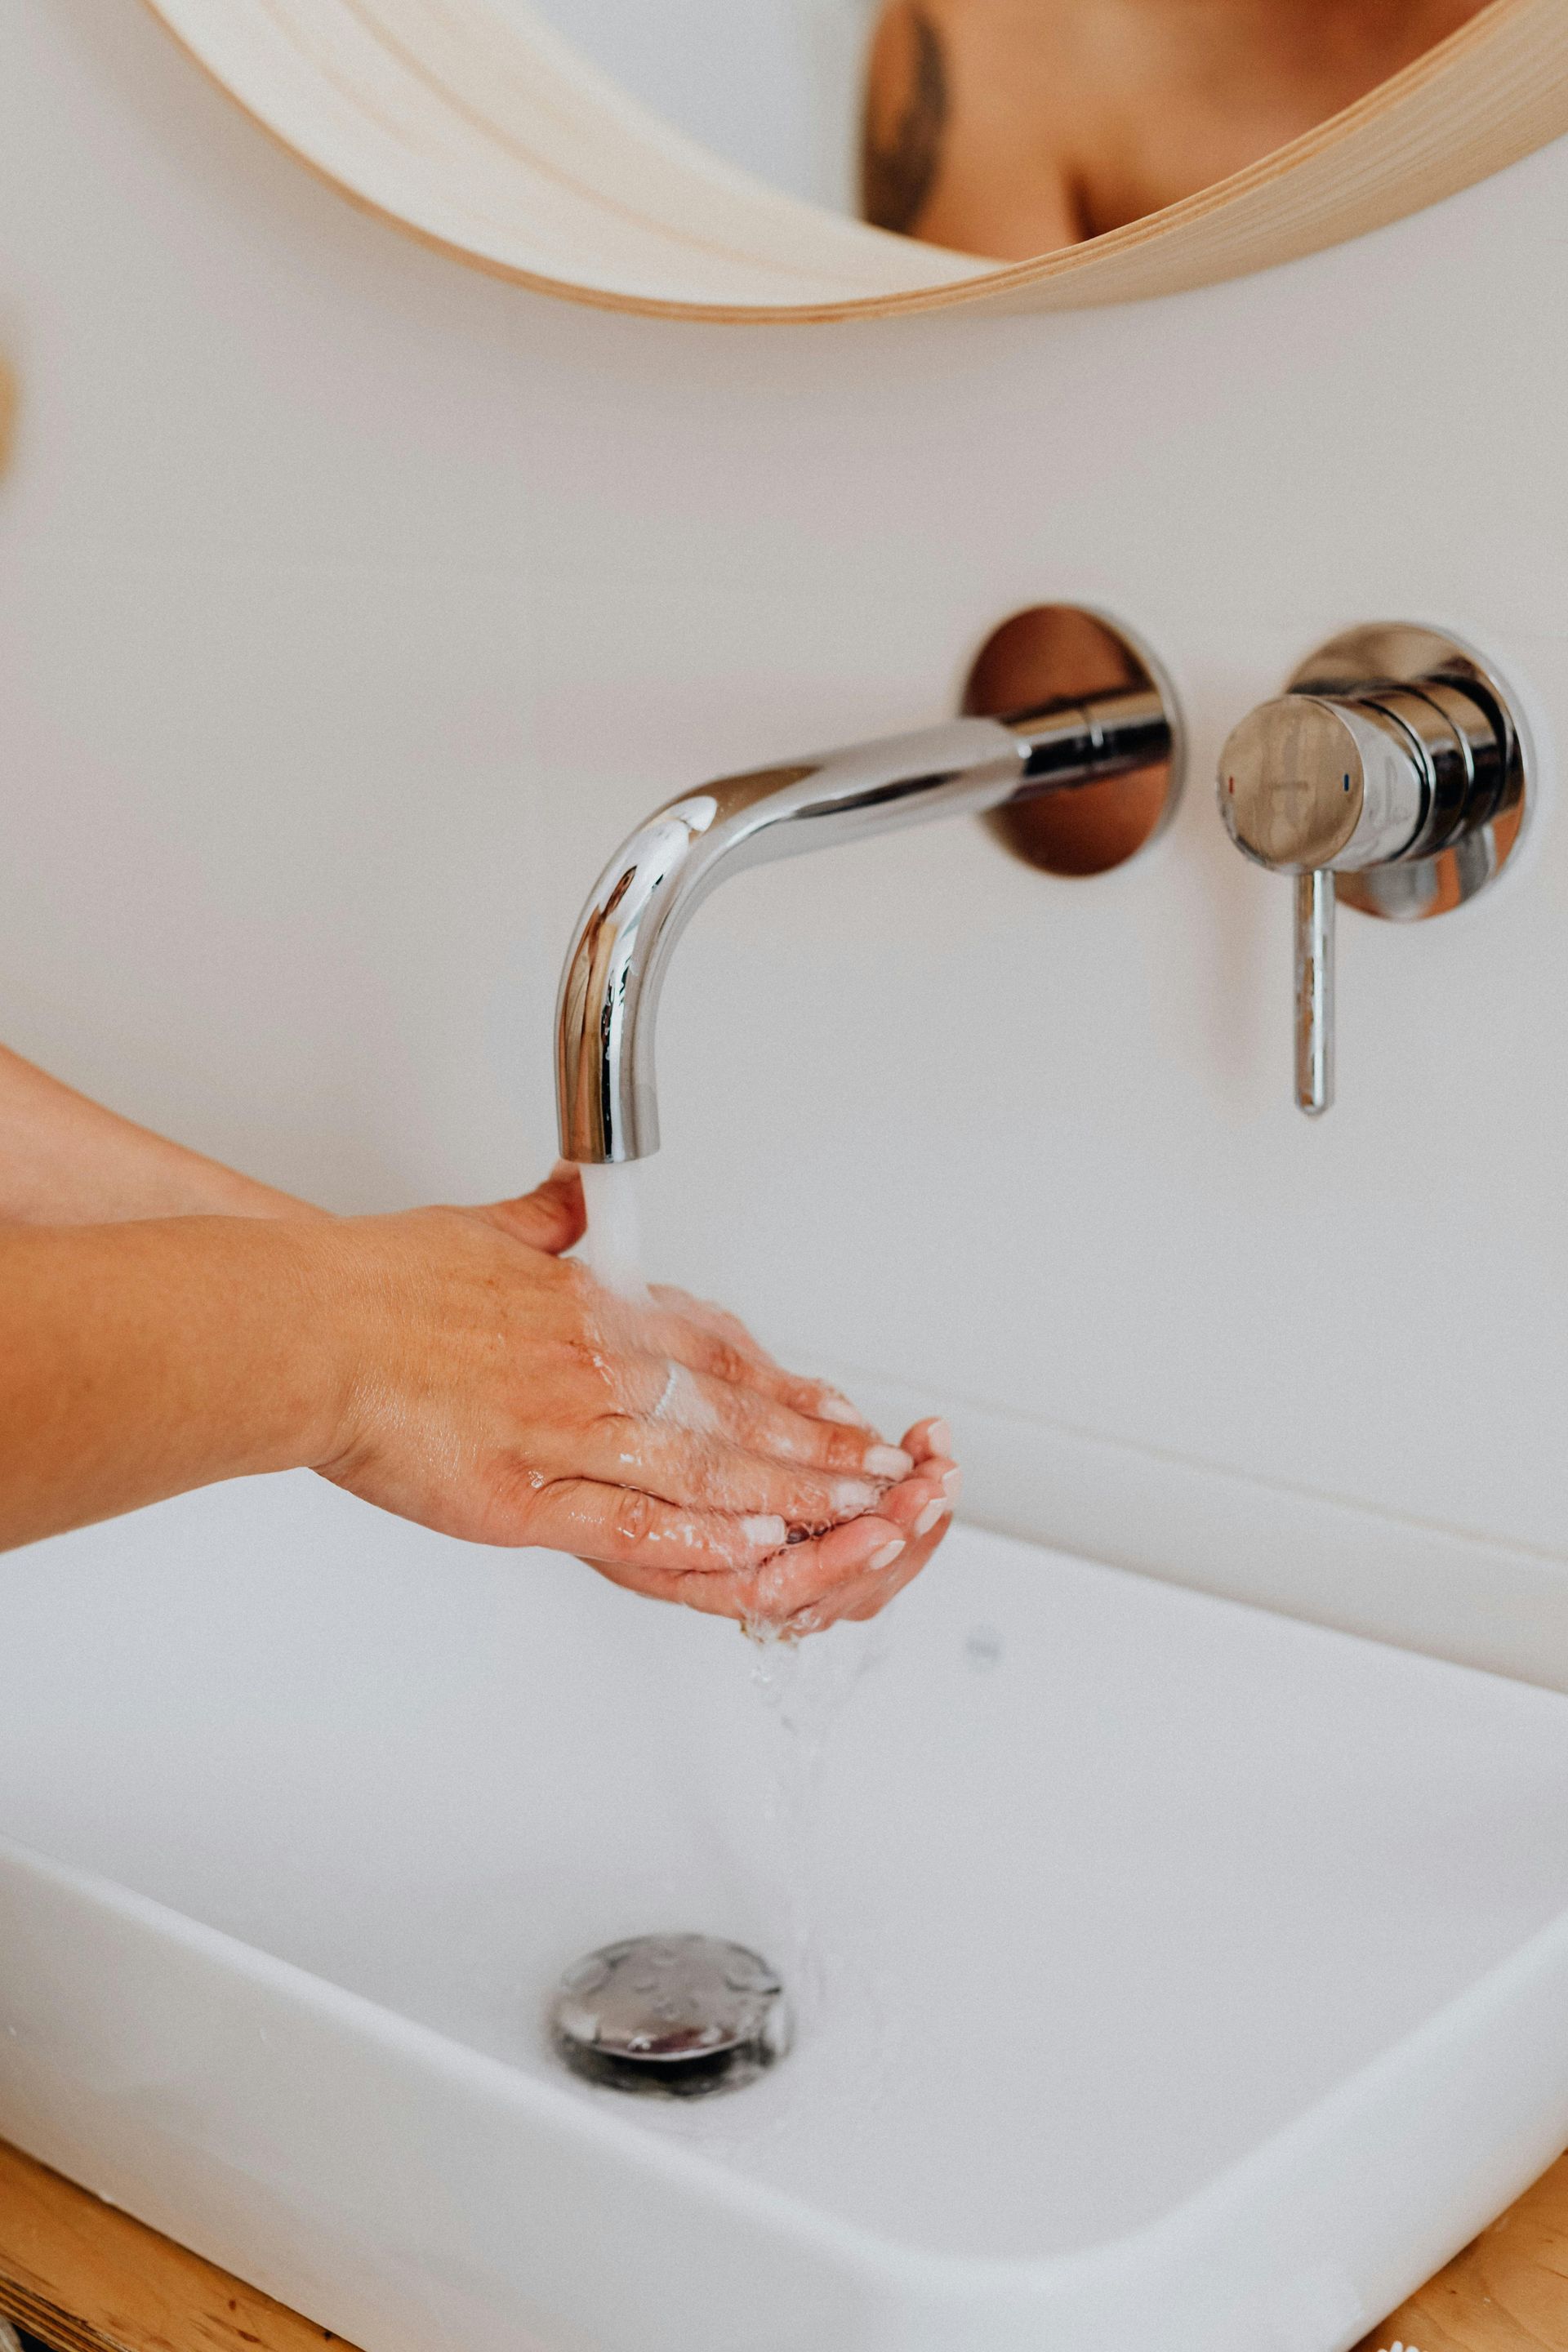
1391, 777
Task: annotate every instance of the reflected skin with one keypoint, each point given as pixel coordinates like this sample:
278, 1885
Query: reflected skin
167, 1323
1010, 128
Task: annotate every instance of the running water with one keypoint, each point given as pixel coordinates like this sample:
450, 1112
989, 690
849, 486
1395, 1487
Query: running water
803, 1684
612, 1246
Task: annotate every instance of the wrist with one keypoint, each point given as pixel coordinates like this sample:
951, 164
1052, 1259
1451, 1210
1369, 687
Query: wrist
326, 1303
258, 1321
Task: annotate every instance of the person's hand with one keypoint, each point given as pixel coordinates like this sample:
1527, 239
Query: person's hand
818, 1581
497, 1393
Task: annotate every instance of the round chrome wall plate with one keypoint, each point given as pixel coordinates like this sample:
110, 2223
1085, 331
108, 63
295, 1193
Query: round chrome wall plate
1404, 652
1062, 653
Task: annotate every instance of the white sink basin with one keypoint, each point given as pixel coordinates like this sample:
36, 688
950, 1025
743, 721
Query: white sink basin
1193, 1979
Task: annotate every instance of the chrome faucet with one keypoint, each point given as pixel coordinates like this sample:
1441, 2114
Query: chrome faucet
1391, 777
606, 1082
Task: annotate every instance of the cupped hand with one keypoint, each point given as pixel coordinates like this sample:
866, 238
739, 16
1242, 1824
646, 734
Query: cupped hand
850, 1571
497, 1393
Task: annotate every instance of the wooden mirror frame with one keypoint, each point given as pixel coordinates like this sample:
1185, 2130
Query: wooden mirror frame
491, 139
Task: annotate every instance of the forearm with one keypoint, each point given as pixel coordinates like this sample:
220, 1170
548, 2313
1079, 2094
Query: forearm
65, 1159
140, 1360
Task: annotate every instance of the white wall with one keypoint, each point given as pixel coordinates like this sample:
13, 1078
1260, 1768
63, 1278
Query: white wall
354, 605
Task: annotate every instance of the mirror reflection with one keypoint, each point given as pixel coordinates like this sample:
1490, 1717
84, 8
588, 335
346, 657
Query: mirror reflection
1003, 128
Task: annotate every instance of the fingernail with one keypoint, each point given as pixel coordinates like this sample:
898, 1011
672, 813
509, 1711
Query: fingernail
769, 1531
887, 1556
888, 1461
940, 1437
953, 1484
929, 1517
831, 1406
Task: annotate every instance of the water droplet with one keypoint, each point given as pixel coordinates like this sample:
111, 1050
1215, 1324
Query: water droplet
984, 1648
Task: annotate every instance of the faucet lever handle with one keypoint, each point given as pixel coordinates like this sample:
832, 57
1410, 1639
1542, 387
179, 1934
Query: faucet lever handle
1314, 990
1389, 775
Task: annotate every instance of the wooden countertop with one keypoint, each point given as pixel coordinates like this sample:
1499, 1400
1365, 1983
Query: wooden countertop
85, 2278
1507, 2292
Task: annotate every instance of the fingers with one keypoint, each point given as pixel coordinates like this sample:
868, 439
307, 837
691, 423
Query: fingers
663, 1393
926, 1438
870, 1595
917, 1504
776, 1588
551, 1217
850, 1574
805, 1575
936, 1481
622, 1528
867, 1594
705, 1469
922, 1505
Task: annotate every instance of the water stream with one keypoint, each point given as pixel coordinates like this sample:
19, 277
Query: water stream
612, 1246
803, 1684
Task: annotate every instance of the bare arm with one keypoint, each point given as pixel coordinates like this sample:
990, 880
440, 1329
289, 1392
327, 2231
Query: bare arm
142, 1358
65, 1161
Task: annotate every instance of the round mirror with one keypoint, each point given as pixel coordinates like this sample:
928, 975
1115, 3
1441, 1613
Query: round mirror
815, 158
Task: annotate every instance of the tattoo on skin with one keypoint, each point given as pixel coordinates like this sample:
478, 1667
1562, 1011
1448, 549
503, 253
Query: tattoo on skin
897, 170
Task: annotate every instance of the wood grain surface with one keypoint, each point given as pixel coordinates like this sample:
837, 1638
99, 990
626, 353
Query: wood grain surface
482, 132
85, 2278
1507, 2292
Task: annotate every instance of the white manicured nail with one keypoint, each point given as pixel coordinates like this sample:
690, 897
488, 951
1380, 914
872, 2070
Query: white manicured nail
887, 1556
953, 1485
888, 1461
769, 1531
929, 1517
831, 1406
940, 1437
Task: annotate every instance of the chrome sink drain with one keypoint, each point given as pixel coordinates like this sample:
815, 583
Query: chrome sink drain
677, 2016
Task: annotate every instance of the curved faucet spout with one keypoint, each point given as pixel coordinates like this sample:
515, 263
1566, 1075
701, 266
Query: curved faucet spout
606, 1095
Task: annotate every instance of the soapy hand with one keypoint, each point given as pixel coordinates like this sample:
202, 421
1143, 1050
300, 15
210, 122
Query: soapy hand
848, 1572
504, 1396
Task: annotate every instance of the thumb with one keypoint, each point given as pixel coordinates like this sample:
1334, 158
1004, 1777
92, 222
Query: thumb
551, 1217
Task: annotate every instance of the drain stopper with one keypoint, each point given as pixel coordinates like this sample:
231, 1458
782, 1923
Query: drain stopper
678, 2016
